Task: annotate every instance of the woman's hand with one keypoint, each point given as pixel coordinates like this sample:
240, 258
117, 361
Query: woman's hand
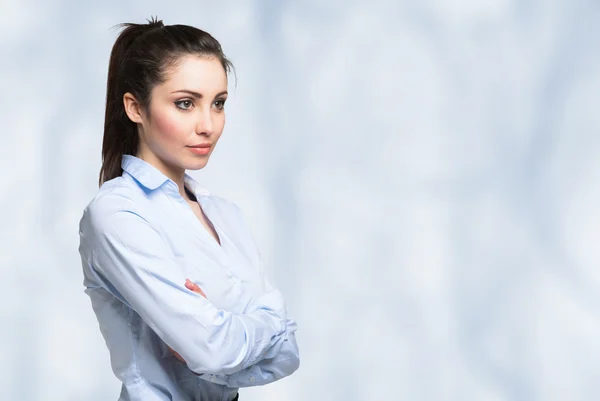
190, 285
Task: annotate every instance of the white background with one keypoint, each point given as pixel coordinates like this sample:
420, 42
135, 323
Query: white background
422, 177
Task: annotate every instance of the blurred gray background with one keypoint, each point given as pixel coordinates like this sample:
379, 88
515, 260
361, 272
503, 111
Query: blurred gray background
420, 177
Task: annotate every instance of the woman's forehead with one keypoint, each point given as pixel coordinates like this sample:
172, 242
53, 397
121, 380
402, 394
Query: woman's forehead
196, 73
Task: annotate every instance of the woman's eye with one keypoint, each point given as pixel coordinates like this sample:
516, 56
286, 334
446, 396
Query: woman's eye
184, 104
219, 104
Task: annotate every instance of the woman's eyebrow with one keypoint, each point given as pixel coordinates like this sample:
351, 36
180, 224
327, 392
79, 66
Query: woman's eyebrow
189, 92
196, 94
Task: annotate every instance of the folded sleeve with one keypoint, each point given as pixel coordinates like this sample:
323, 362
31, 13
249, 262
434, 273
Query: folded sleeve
268, 370
136, 260
275, 363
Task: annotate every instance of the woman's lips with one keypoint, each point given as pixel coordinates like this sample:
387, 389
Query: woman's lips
201, 150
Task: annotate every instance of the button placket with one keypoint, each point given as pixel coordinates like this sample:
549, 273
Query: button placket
226, 242
190, 221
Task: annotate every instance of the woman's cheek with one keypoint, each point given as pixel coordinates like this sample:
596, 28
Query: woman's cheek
171, 127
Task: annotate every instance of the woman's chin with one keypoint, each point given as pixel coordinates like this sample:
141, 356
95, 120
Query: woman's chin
196, 164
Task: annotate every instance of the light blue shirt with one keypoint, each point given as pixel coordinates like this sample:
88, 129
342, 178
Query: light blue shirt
139, 241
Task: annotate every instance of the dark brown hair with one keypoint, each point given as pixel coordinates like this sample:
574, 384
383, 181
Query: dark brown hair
139, 60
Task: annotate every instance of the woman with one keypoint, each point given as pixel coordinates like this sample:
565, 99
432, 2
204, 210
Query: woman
172, 271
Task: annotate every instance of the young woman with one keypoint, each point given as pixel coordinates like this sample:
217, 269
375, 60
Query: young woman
172, 271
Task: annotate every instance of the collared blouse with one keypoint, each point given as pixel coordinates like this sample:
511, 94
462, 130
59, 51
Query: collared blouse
139, 242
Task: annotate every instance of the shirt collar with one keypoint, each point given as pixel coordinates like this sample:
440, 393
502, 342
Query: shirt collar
151, 178
194, 186
145, 173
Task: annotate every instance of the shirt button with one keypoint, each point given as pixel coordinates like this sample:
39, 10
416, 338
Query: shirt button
251, 379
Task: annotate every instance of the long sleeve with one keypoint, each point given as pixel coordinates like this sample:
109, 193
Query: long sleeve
134, 258
268, 370
276, 364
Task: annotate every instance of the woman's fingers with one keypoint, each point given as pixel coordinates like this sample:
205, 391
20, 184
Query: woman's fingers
176, 355
190, 285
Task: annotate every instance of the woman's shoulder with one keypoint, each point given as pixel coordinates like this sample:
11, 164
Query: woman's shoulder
113, 196
222, 201
224, 205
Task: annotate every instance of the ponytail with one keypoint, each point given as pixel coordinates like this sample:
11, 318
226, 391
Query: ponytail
120, 133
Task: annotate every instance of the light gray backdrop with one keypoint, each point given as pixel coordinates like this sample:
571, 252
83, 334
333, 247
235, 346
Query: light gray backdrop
422, 178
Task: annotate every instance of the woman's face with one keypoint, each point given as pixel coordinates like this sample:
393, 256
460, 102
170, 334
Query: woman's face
186, 116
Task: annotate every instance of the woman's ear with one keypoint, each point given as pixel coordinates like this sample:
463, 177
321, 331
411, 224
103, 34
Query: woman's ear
132, 108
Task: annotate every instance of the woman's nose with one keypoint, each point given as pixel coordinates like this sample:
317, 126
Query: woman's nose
205, 124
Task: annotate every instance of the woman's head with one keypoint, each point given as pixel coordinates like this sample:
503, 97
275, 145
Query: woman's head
165, 94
